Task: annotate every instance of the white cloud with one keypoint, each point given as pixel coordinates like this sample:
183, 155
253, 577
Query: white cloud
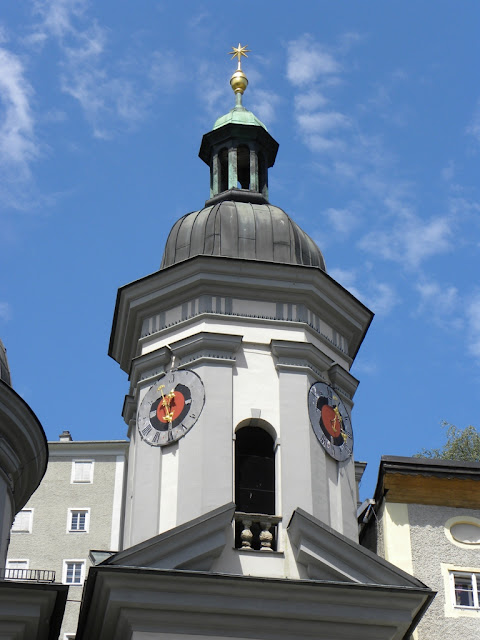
112, 94
5, 311
342, 220
440, 302
410, 241
380, 297
18, 146
474, 127
308, 60
473, 322
310, 101
263, 104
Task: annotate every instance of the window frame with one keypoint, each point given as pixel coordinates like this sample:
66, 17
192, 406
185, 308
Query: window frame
80, 561
71, 511
475, 583
80, 460
30, 522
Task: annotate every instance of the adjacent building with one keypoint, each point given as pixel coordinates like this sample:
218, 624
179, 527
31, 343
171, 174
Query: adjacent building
425, 519
31, 603
77, 508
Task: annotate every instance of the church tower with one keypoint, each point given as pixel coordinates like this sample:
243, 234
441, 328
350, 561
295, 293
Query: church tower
238, 352
240, 501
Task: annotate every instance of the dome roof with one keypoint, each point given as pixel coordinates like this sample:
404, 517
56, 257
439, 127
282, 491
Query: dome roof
241, 230
238, 115
4, 368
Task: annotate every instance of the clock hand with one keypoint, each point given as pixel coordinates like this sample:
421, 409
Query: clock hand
166, 400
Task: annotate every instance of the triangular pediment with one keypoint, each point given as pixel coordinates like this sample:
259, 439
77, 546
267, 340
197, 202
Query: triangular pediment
193, 545
328, 555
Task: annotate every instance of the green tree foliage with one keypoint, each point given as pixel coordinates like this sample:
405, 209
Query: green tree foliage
461, 444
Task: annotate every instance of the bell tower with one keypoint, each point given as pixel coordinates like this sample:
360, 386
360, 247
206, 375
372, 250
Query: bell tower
240, 502
238, 352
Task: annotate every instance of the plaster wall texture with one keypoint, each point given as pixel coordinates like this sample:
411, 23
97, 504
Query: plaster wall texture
431, 549
49, 543
169, 486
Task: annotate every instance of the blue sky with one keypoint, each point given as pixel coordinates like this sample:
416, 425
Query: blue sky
376, 106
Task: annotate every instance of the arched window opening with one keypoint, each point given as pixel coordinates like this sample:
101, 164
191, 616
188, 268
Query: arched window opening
262, 175
243, 166
254, 483
223, 160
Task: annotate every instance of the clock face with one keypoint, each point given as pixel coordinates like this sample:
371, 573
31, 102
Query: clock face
330, 421
170, 407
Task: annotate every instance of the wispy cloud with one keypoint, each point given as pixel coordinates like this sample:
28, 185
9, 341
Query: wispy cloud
18, 146
473, 128
343, 221
308, 60
380, 297
473, 324
411, 240
113, 94
441, 302
5, 311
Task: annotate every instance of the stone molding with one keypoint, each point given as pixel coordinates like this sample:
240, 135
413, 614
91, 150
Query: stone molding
193, 545
23, 446
120, 601
206, 346
217, 276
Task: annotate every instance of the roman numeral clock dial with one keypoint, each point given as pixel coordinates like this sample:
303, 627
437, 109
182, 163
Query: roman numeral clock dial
170, 407
330, 421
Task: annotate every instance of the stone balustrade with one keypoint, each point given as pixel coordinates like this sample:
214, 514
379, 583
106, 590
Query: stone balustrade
256, 531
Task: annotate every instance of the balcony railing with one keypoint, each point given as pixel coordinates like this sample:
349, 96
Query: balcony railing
256, 531
30, 575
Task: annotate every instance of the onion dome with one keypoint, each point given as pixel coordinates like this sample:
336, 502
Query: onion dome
238, 221
242, 230
4, 368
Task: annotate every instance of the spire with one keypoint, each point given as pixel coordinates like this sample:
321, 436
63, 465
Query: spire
238, 150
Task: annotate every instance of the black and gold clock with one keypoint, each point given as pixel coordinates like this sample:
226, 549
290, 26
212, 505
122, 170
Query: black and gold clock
170, 407
330, 421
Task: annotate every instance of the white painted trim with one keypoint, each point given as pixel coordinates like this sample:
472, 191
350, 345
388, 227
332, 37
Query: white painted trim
69, 519
81, 561
461, 520
398, 548
72, 478
451, 609
118, 488
30, 524
10, 560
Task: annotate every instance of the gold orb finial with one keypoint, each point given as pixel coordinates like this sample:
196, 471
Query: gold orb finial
239, 81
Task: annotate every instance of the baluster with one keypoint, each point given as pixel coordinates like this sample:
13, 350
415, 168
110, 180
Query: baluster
266, 537
246, 536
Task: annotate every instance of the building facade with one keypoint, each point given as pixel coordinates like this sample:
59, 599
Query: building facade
426, 520
76, 509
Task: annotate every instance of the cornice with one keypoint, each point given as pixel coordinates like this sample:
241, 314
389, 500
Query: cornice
246, 279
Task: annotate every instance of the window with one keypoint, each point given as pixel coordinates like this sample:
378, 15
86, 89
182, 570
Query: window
73, 571
69, 636
254, 471
78, 519
82, 471
23, 521
16, 569
466, 590
255, 489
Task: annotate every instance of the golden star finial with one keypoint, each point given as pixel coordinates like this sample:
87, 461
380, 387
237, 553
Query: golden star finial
238, 52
